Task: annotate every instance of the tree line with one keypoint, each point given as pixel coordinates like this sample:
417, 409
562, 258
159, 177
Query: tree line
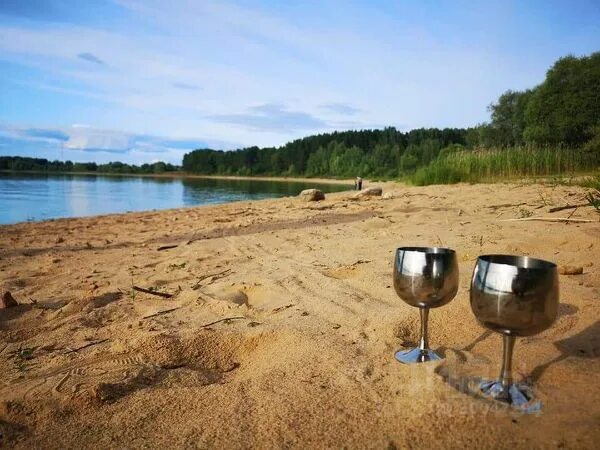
20, 163
347, 153
562, 112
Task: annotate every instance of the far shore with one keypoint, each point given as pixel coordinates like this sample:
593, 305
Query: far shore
190, 175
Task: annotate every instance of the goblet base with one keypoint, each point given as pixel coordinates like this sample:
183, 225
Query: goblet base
517, 395
417, 355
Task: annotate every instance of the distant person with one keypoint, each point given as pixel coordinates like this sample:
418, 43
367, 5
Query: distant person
359, 183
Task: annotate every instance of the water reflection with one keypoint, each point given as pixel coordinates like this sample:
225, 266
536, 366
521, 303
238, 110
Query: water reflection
205, 191
42, 196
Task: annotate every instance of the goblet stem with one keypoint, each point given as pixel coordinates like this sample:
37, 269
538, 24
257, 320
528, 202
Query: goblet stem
506, 371
424, 341
422, 353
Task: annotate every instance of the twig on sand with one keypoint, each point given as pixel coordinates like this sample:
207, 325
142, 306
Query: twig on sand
194, 239
222, 320
159, 313
505, 205
148, 291
281, 308
166, 247
560, 208
360, 261
548, 219
572, 212
215, 276
89, 344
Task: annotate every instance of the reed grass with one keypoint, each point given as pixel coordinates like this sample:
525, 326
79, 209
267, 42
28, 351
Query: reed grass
496, 165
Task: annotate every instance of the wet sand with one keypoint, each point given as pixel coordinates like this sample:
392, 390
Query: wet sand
282, 325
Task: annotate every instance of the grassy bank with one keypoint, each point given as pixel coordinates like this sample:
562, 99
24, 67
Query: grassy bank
497, 165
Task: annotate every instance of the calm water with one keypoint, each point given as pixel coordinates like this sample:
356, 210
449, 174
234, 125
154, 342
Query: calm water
39, 197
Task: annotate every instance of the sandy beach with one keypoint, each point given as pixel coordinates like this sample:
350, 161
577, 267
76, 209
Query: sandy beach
278, 324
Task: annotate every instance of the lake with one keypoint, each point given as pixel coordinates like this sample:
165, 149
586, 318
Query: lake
29, 197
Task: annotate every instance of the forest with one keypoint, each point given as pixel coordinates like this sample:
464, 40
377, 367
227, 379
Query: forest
548, 129
20, 163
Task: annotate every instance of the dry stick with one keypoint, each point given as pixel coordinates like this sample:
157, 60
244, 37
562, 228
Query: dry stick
547, 219
166, 247
360, 261
161, 312
86, 346
573, 212
224, 273
506, 205
560, 208
148, 291
222, 320
281, 308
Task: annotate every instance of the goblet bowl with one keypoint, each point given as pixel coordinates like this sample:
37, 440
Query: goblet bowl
424, 277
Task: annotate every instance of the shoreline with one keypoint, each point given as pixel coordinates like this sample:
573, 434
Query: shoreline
173, 209
187, 207
176, 175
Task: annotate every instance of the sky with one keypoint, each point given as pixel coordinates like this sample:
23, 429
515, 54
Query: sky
146, 80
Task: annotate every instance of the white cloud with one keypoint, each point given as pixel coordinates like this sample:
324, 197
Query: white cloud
87, 138
83, 139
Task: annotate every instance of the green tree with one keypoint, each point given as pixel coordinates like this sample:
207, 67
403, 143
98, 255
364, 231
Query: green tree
565, 108
508, 118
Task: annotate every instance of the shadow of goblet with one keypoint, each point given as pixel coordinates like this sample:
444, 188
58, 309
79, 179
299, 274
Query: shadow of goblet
462, 370
461, 354
585, 344
465, 372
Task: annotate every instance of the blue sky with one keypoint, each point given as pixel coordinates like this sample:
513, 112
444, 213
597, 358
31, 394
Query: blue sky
140, 81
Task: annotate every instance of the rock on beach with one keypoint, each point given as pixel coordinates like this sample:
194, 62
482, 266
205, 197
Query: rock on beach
570, 270
369, 192
312, 195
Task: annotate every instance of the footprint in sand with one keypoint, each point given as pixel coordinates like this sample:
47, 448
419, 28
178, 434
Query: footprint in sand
200, 359
235, 295
342, 272
260, 297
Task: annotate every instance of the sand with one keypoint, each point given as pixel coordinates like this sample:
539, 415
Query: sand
307, 358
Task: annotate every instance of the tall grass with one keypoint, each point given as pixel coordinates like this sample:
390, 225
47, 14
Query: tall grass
495, 165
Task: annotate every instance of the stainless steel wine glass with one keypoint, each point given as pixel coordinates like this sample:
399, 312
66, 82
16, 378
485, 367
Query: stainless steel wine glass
424, 277
514, 296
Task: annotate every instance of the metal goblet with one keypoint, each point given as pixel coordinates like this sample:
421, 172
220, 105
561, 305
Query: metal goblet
424, 277
514, 296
